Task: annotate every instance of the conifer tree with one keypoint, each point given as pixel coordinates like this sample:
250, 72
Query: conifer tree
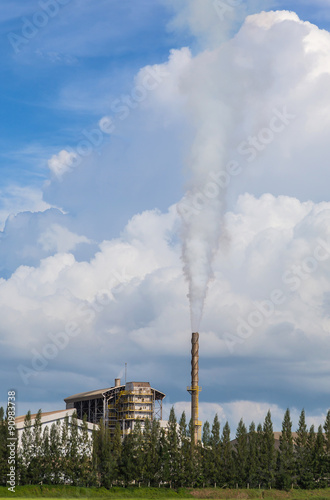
206, 453
184, 452
35, 466
73, 452
102, 456
25, 452
226, 460
173, 448
164, 458
152, 452
55, 453
4, 434
260, 449
45, 468
286, 455
85, 452
132, 465
139, 453
268, 455
116, 449
319, 463
65, 450
206, 434
252, 460
194, 468
215, 463
240, 454
326, 428
302, 459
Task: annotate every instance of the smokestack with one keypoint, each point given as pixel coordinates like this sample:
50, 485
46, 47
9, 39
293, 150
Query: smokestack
117, 382
195, 389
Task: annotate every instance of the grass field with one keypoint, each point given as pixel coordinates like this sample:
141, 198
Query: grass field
72, 493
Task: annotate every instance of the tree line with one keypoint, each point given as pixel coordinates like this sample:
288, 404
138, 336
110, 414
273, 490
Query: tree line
154, 456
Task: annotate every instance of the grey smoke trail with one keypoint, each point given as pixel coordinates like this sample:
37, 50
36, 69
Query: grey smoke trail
203, 205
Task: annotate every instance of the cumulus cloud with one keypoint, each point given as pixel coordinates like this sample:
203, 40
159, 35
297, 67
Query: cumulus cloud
16, 199
73, 320
62, 162
128, 304
211, 22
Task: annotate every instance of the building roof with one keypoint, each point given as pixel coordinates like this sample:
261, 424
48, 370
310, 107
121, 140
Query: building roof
81, 396
49, 417
85, 396
45, 414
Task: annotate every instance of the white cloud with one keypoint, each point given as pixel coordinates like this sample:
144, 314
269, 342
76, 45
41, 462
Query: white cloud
211, 22
129, 304
15, 199
128, 299
62, 162
59, 239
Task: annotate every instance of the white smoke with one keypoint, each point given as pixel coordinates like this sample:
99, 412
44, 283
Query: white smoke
229, 102
203, 205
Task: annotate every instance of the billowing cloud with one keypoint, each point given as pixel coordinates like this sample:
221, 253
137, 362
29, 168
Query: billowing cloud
266, 309
99, 283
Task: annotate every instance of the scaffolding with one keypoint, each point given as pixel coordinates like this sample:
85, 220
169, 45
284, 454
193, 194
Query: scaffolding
124, 404
133, 404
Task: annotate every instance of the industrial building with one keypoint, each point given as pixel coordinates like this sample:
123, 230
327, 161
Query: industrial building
126, 404
48, 419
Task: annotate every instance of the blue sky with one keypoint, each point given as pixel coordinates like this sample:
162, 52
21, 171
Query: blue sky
73, 225
65, 78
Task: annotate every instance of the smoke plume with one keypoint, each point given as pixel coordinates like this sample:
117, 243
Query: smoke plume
203, 205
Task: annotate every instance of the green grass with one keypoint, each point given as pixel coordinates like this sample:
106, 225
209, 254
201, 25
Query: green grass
48, 491
135, 493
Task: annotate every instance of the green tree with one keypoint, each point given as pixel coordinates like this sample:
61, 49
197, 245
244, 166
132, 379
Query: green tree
74, 459
152, 452
302, 456
206, 453
173, 448
215, 459
206, 434
55, 453
85, 453
226, 458
286, 455
240, 454
132, 461
267, 465
252, 457
318, 459
116, 449
25, 454
65, 469
35, 466
4, 435
194, 465
102, 456
164, 458
184, 456
326, 428
260, 450
45, 466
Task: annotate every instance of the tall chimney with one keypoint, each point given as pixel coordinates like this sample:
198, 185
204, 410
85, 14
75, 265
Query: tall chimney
195, 389
117, 382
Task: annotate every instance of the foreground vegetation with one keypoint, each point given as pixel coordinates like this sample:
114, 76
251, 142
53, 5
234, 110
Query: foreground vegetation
72, 492
169, 459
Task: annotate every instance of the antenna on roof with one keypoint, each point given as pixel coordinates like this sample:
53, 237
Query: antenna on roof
125, 373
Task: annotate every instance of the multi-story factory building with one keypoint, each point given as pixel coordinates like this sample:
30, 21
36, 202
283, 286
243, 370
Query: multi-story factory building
125, 404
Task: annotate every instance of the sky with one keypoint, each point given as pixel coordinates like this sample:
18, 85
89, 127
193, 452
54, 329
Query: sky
152, 150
